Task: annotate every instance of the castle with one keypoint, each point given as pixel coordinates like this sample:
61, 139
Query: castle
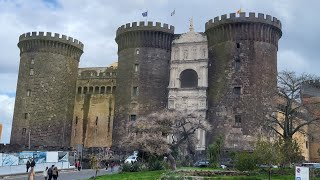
226, 75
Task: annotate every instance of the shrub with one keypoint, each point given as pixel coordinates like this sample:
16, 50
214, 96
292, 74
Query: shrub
135, 167
245, 161
156, 165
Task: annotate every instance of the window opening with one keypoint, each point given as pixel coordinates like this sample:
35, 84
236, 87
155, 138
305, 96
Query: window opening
85, 90
237, 120
237, 91
189, 78
102, 90
237, 64
31, 72
133, 117
28, 92
79, 90
135, 91
90, 90
136, 66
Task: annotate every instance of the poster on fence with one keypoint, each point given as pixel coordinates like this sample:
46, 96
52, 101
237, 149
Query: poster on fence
1, 159
63, 156
24, 157
10, 159
52, 156
40, 157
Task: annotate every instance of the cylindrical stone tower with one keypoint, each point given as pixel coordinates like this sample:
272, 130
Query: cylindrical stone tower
45, 90
242, 76
144, 53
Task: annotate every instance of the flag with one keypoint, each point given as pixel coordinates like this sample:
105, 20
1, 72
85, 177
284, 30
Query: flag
173, 12
239, 11
145, 14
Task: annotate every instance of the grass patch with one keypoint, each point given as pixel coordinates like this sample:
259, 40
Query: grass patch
145, 175
198, 168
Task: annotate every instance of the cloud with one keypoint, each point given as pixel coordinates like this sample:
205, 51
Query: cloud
6, 116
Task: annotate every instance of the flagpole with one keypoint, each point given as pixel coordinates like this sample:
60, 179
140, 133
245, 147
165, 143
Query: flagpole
147, 17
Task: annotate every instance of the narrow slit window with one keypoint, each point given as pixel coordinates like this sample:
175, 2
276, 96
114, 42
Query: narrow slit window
32, 61
135, 91
76, 119
137, 51
136, 67
238, 45
28, 92
31, 72
97, 120
237, 64
24, 131
26, 115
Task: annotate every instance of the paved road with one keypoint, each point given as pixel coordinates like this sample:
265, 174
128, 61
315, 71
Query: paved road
66, 175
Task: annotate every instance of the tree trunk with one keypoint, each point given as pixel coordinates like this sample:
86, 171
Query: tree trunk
172, 161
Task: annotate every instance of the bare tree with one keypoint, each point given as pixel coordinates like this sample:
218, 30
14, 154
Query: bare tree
150, 133
295, 114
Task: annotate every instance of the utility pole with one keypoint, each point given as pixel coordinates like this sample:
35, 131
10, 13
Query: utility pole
29, 139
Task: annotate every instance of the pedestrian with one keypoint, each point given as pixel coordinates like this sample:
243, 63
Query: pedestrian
31, 174
107, 165
28, 165
45, 173
50, 172
78, 165
33, 163
112, 165
55, 173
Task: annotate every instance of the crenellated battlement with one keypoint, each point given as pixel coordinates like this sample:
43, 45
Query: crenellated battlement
48, 42
236, 28
144, 35
52, 37
142, 26
243, 18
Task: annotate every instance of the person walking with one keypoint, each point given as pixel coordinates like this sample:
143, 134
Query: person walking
55, 173
28, 165
31, 174
107, 165
33, 163
112, 166
78, 165
45, 173
50, 172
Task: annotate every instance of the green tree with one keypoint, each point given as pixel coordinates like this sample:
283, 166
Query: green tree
214, 151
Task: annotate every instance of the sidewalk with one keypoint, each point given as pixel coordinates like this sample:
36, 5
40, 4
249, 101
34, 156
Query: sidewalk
69, 174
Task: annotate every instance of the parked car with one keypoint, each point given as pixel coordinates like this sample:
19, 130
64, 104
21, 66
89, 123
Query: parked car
311, 165
131, 159
201, 163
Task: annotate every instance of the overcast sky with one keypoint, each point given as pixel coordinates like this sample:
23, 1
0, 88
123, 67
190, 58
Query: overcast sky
95, 23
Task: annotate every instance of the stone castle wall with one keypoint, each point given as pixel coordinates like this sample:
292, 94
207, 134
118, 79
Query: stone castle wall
242, 73
94, 107
45, 90
143, 74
